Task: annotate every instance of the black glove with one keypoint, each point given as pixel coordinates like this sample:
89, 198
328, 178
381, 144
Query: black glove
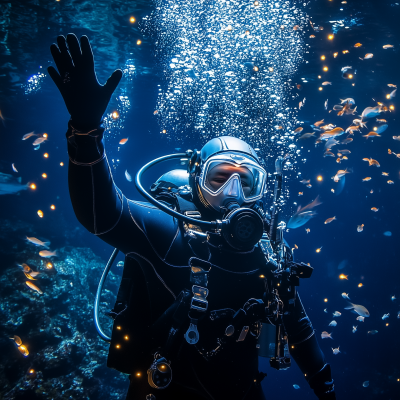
322, 384
85, 98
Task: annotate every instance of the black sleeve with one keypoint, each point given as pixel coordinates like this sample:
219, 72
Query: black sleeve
98, 203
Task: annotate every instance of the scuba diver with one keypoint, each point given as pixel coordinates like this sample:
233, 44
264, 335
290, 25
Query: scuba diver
206, 270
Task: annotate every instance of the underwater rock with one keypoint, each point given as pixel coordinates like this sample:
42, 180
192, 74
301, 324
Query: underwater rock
66, 357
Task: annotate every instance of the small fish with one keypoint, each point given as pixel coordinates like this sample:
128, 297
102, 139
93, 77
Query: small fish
372, 162
329, 220
326, 335
393, 298
14, 169
340, 174
368, 55
39, 140
358, 45
326, 83
308, 230
345, 296
374, 209
28, 135
386, 316
17, 340
333, 323
381, 120
325, 310
360, 318
371, 112
349, 100
127, 176
388, 46
155, 112
358, 309
300, 193
30, 277
373, 332
337, 314
325, 105
298, 129
123, 141
365, 384
368, 178
391, 85
392, 94
396, 137
327, 127
360, 228
296, 27
347, 140
25, 267
38, 242
343, 276
47, 254
306, 136
33, 287
371, 134
23, 350
336, 351
329, 154
303, 215
296, 386
360, 123
305, 181
385, 174
120, 264
345, 151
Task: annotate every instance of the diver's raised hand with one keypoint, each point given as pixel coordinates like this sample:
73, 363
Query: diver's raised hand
86, 99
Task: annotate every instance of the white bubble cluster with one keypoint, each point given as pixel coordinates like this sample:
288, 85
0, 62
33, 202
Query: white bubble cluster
34, 83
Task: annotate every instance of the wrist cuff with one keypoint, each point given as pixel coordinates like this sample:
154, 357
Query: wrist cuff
85, 147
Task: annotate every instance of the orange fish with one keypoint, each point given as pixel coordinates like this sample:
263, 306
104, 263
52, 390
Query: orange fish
17, 340
318, 123
123, 141
367, 179
385, 174
312, 36
298, 130
391, 85
375, 209
329, 220
343, 276
23, 350
33, 287
360, 228
372, 162
358, 45
296, 27
308, 230
368, 55
372, 133
390, 182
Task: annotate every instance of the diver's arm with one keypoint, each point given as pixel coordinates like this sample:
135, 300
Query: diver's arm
305, 350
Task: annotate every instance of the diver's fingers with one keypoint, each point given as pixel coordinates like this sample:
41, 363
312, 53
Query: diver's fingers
112, 81
65, 58
74, 49
55, 76
87, 54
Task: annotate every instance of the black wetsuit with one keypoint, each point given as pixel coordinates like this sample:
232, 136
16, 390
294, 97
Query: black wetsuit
157, 252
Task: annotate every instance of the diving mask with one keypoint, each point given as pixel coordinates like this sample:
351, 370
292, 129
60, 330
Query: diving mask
231, 177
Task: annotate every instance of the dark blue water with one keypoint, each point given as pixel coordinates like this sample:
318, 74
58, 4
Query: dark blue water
28, 28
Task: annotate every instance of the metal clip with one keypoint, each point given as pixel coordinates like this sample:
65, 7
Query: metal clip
199, 301
192, 334
243, 334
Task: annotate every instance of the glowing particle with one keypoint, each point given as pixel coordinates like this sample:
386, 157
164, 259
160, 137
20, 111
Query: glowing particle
49, 265
247, 32
256, 3
325, 68
318, 250
61, 163
53, 207
229, 28
335, 54
360, 285
45, 135
343, 276
391, 107
350, 76
40, 213
32, 186
331, 36
270, 69
322, 57
255, 68
44, 175
46, 155
345, 51
320, 88
115, 114
138, 374
319, 178
164, 131
319, 77
325, 300
132, 20
139, 42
